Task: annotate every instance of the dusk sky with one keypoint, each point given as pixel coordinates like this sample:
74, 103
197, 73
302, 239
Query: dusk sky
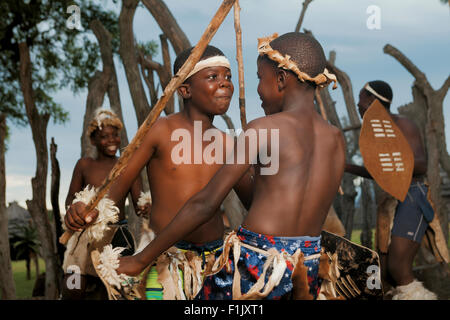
419, 29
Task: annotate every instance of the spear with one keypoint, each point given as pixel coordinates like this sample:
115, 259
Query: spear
174, 83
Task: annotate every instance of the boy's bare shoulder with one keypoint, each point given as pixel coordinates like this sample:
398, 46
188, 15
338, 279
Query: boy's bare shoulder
159, 129
84, 162
260, 123
336, 134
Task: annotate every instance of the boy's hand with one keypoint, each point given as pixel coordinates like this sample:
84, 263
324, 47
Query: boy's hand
77, 218
130, 265
144, 211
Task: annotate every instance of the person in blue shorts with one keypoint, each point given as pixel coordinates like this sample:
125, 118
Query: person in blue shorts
413, 215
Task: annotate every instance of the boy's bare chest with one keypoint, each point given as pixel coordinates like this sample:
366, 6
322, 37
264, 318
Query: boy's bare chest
96, 173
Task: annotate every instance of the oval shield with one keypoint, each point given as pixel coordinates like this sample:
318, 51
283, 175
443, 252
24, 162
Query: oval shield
386, 153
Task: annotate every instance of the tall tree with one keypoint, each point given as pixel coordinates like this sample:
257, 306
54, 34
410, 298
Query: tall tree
41, 54
433, 124
7, 287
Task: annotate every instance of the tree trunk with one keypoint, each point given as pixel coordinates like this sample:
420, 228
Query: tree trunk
129, 59
7, 287
434, 131
302, 15
170, 107
97, 87
368, 212
28, 266
54, 196
37, 206
168, 25
104, 39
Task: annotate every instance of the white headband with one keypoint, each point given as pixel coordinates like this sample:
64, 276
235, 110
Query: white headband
376, 94
216, 61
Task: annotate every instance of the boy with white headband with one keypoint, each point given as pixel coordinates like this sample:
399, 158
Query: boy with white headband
206, 93
413, 215
89, 172
283, 226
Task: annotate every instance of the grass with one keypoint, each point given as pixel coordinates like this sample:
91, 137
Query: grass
24, 287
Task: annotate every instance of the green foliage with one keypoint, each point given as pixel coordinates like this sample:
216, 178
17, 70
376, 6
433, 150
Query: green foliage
27, 242
149, 48
61, 57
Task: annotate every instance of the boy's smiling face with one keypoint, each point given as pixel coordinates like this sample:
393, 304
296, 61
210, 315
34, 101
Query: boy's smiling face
210, 90
268, 87
107, 140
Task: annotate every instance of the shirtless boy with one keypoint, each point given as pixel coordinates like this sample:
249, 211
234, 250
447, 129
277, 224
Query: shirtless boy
206, 93
413, 215
103, 132
289, 206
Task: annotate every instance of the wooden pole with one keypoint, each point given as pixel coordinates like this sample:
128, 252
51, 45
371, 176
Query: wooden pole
173, 85
324, 116
237, 28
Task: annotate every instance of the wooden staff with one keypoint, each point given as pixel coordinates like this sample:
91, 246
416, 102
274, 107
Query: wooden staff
237, 27
320, 102
324, 116
174, 83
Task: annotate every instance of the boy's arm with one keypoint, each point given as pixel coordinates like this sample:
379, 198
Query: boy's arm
357, 170
135, 192
412, 134
244, 187
198, 210
77, 216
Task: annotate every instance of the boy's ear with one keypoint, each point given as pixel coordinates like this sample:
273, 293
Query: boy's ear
184, 90
281, 79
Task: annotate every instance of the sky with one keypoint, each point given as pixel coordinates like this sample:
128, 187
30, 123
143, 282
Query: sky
420, 29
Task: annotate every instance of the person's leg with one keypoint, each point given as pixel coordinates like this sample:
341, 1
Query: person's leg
400, 259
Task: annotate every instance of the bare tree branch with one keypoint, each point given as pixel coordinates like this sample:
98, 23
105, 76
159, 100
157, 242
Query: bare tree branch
129, 59
405, 62
444, 89
302, 15
170, 107
168, 24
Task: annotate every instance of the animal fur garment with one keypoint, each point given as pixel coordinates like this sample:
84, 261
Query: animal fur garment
144, 198
300, 286
285, 62
109, 262
413, 291
107, 212
103, 118
147, 236
175, 286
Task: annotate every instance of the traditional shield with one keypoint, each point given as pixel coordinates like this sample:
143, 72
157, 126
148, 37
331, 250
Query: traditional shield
386, 153
354, 270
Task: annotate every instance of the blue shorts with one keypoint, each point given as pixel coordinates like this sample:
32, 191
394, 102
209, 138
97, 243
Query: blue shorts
413, 215
219, 286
